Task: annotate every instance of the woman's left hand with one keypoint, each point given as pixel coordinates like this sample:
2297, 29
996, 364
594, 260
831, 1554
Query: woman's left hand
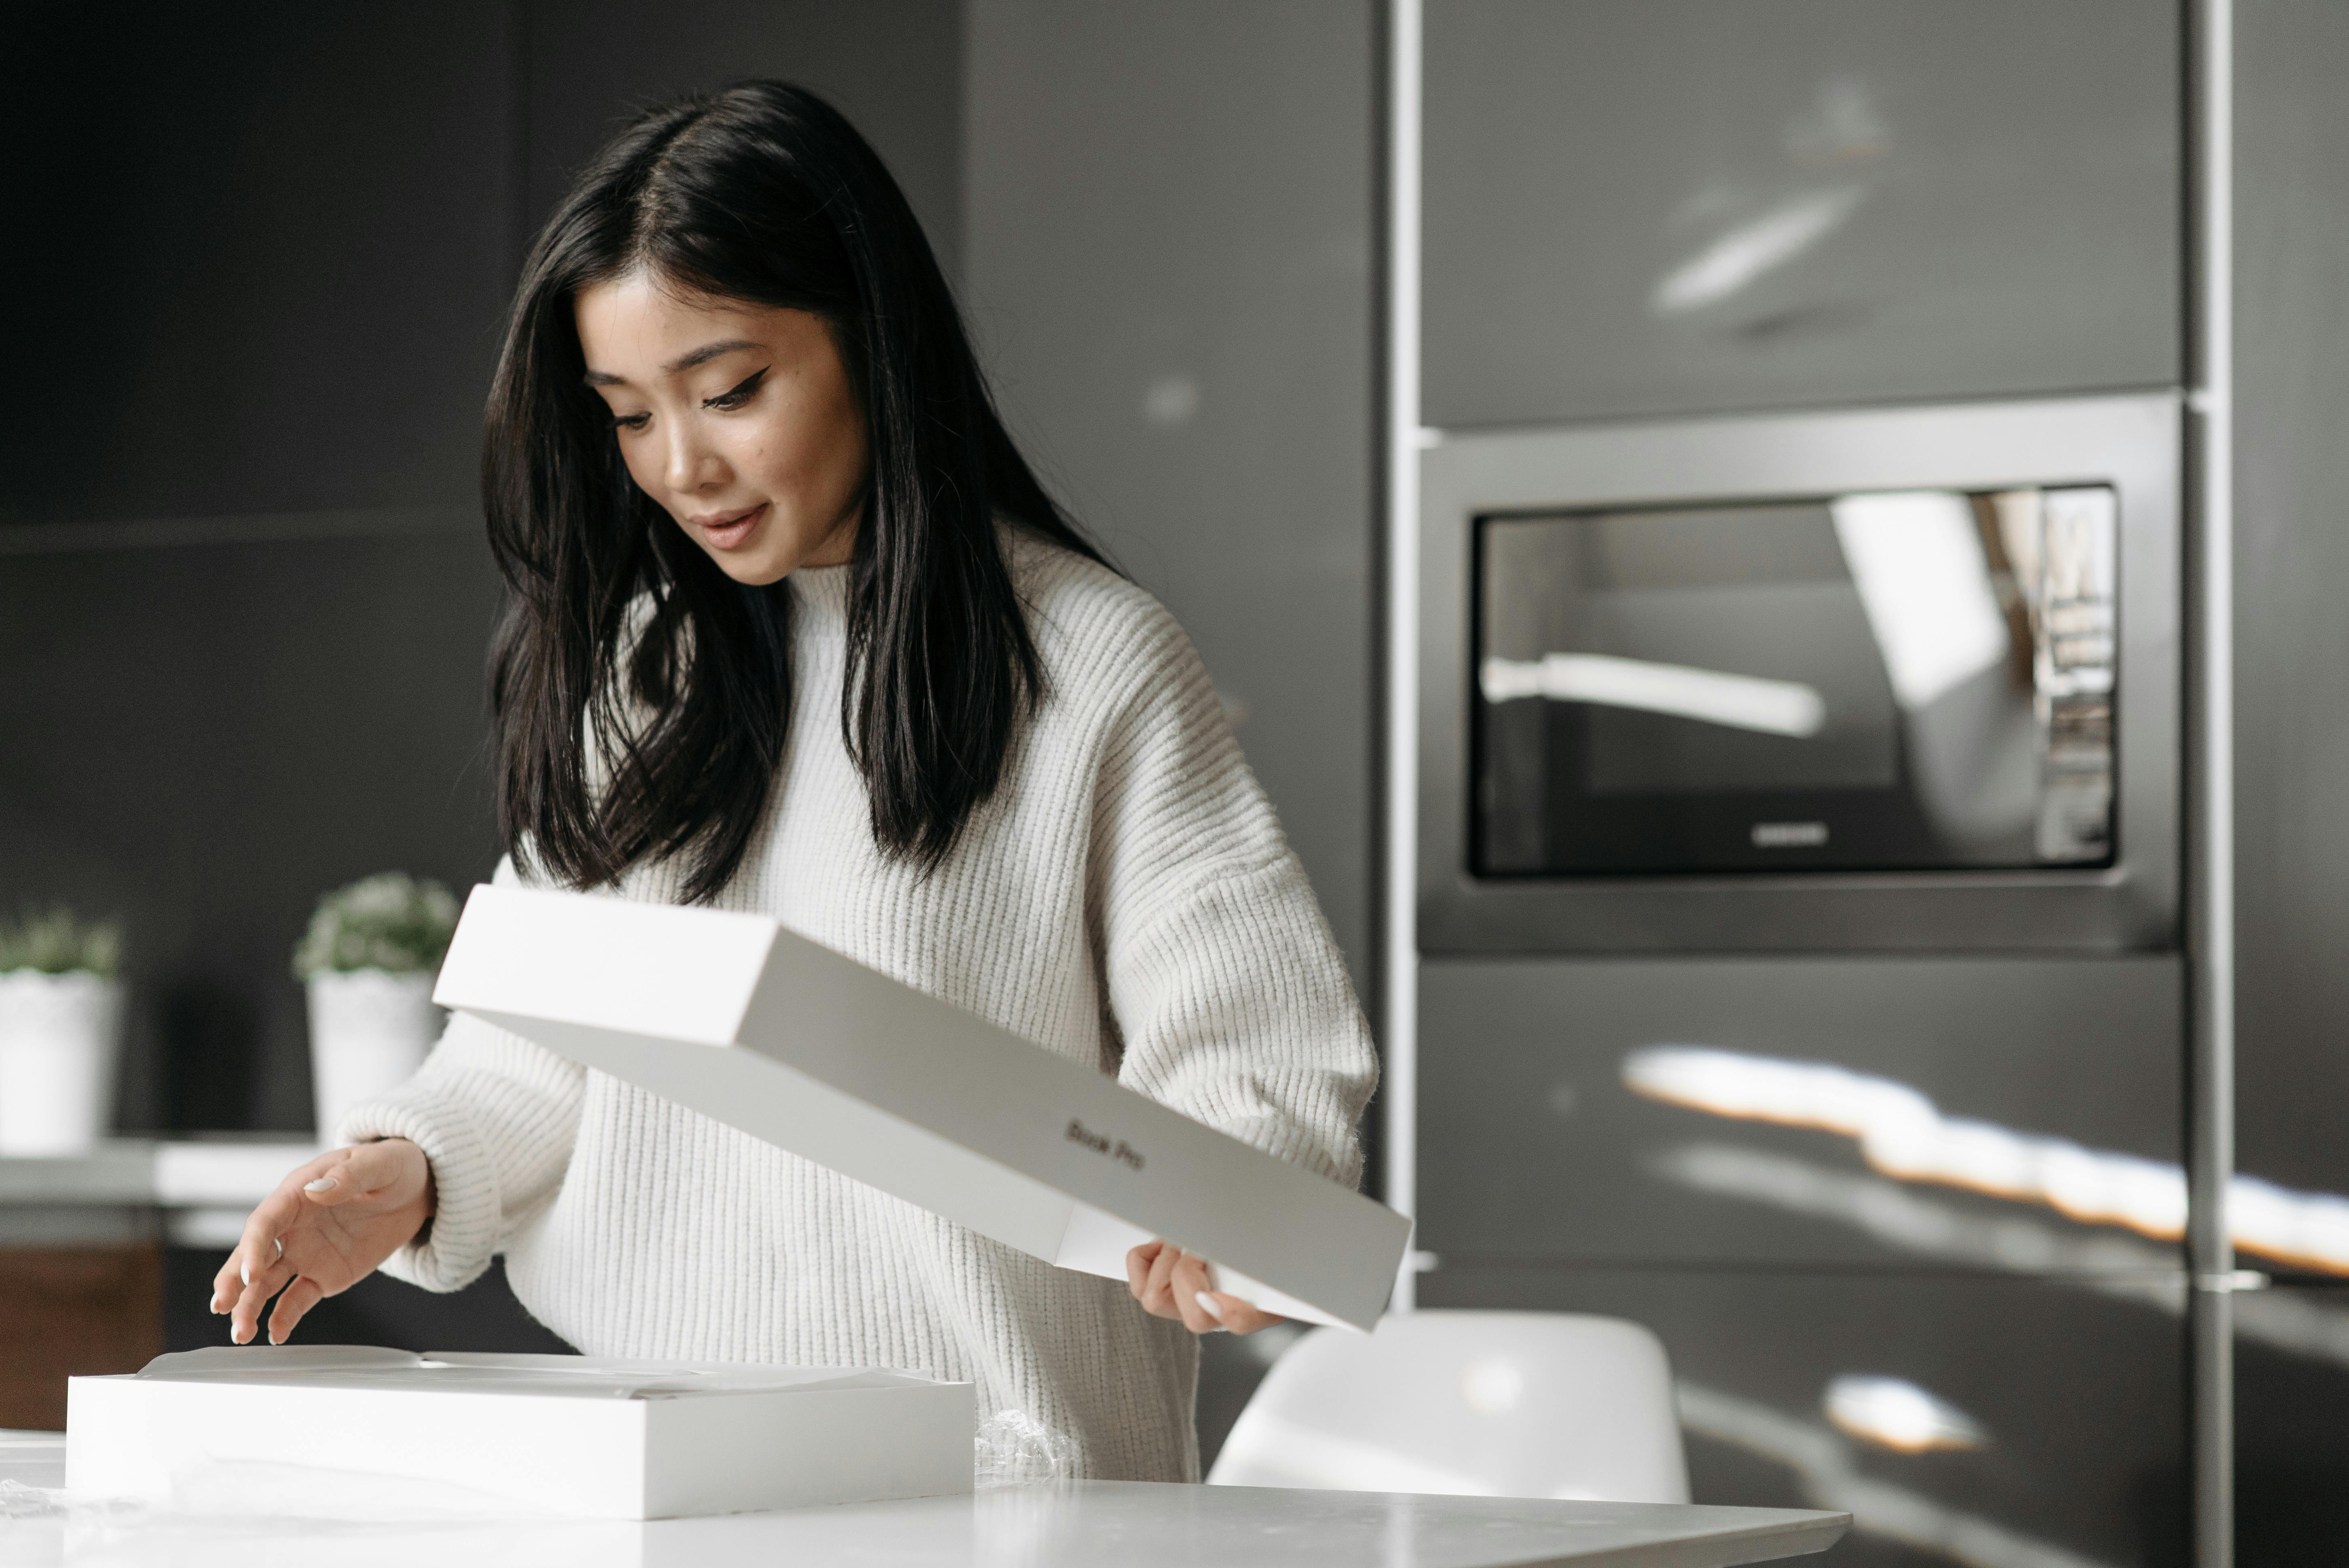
1171, 1283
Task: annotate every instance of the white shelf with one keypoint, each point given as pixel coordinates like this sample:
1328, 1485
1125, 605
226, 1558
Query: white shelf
136, 1173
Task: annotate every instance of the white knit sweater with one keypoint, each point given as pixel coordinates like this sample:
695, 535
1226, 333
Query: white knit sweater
1125, 900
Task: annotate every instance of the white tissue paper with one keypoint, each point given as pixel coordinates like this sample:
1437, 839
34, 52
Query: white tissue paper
757, 1027
347, 1428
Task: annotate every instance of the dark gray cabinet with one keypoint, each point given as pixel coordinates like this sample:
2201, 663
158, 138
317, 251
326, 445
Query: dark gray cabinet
2291, 1425
2291, 566
1830, 1111
1957, 1417
1643, 207
2291, 653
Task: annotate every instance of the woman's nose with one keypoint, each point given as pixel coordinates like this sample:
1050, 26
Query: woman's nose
693, 464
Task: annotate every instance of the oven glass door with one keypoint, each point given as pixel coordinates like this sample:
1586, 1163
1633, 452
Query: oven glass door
1891, 681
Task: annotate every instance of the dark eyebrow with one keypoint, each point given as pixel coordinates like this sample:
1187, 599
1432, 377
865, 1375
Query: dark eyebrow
701, 356
705, 354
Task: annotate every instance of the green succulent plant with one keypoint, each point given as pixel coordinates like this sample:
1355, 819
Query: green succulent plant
55, 942
391, 921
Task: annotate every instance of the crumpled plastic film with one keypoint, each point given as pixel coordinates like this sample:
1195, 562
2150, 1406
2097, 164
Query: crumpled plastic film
18, 1500
1013, 1449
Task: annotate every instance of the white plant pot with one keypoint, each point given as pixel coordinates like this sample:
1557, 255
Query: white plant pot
60, 1040
369, 1031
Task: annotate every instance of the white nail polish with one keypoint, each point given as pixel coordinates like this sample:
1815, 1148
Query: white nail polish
323, 1184
1210, 1305
244, 1272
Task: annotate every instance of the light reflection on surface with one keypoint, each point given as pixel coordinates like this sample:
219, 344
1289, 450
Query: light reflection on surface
1756, 230
1832, 1478
1753, 247
2108, 1266
1492, 1387
1712, 696
1912, 1223
1916, 557
1903, 1134
1897, 1414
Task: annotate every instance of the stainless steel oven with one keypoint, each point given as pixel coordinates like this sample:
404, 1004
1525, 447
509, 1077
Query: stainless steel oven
1899, 678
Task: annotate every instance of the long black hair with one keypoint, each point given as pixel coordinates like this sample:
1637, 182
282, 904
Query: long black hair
640, 697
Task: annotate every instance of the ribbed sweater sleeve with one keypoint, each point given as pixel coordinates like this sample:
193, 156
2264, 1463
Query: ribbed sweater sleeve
1222, 981
496, 1115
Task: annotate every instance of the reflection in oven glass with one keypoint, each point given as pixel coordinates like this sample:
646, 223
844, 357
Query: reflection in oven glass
1896, 680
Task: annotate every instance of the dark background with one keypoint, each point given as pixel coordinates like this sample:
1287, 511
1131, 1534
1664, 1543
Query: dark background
243, 595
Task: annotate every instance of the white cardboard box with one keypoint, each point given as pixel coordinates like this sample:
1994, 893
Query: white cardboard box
759, 1027
471, 1433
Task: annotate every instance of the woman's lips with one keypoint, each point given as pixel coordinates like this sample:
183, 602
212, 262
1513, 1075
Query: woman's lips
728, 530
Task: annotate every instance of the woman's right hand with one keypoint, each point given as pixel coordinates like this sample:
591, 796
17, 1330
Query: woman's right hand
328, 1226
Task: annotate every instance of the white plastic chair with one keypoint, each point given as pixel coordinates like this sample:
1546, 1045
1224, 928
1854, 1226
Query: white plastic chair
1494, 1403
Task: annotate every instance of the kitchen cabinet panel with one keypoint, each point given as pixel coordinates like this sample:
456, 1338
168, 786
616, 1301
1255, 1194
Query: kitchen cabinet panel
2291, 752
71, 1312
1644, 207
1958, 1417
2291, 563
2291, 1427
1844, 1111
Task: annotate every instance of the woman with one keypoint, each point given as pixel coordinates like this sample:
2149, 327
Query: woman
792, 628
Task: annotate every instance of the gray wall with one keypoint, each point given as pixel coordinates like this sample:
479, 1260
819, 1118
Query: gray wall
243, 594
892, 66
257, 253
1167, 242
243, 597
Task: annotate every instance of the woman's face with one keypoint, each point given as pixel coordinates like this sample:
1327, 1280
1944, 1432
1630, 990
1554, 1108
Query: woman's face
739, 418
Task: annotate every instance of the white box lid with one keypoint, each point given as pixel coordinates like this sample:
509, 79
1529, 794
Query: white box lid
754, 1026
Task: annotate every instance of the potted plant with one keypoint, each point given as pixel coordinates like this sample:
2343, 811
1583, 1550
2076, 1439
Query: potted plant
368, 961
60, 1033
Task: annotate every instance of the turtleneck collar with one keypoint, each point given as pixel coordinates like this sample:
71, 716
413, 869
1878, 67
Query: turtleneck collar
822, 595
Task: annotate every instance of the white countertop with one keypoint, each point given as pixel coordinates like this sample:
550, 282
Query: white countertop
1084, 1525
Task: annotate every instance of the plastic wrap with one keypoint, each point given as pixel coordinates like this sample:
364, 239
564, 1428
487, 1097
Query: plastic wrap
1014, 1449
